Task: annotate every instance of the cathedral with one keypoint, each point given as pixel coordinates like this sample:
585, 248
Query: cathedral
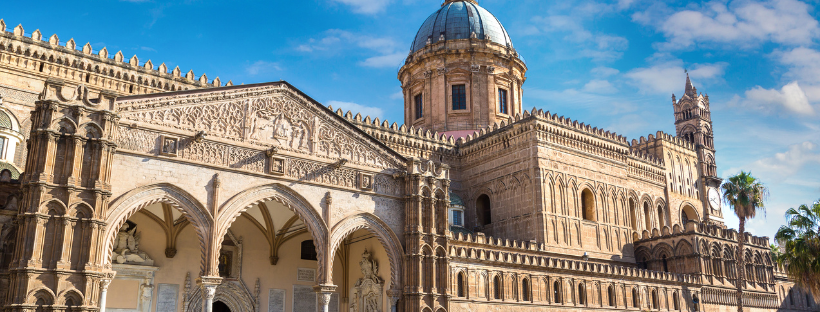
131, 187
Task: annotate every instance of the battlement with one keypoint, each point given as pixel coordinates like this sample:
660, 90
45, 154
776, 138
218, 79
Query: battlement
505, 251
709, 230
102, 71
662, 136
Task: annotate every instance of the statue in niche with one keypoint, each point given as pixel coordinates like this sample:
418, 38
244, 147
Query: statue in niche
126, 246
368, 294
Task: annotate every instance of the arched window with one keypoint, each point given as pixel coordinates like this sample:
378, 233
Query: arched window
665, 264
556, 290
654, 300
646, 216
460, 285
582, 294
588, 205
635, 303
633, 215
483, 208
497, 287
791, 296
525, 290
308, 250
661, 219
675, 301
610, 293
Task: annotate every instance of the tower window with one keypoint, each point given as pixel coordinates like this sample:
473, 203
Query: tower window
502, 101
419, 101
459, 97
588, 205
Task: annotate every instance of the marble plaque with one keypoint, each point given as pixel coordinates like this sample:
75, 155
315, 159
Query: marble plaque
304, 298
167, 295
306, 275
334, 303
276, 300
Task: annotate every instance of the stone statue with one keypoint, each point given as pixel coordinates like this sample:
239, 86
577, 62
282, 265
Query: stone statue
368, 293
126, 246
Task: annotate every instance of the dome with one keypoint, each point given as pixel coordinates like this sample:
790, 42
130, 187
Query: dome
455, 200
459, 20
5, 121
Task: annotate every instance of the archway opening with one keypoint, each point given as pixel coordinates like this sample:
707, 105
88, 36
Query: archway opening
362, 272
219, 306
556, 289
497, 287
483, 209
688, 214
582, 294
610, 293
633, 215
661, 219
159, 239
588, 205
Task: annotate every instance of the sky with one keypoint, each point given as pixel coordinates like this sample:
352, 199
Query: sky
610, 64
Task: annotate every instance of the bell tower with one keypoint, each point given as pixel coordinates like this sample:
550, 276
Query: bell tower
693, 123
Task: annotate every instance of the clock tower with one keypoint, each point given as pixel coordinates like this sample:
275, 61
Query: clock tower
693, 122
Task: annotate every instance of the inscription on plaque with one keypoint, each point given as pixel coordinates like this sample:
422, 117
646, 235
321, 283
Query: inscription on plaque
306, 275
167, 295
334, 303
304, 298
276, 300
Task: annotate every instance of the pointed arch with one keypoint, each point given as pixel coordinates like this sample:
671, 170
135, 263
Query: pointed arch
389, 240
129, 203
239, 203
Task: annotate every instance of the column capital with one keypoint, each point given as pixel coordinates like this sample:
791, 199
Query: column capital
325, 288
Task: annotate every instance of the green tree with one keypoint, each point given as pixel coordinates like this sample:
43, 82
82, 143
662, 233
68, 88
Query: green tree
800, 243
746, 196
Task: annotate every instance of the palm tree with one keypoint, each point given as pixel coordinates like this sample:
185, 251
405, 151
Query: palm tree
800, 240
745, 195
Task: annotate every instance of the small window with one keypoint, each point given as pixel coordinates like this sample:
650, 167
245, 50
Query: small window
460, 286
419, 101
2, 147
582, 294
588, 205
654, 300
496, 287
502, 101
610, 293
458, 218
308, 250
635, 303
483, 209
525, 290
556, 290
459, 97
675, 301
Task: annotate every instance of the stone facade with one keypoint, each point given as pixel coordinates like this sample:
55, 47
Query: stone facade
148, 191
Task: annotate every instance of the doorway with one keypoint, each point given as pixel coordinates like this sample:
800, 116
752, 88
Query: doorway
219, 306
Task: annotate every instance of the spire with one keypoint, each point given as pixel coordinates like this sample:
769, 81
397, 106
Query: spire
690, 89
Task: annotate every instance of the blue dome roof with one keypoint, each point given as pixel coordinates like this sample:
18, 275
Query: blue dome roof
458, 20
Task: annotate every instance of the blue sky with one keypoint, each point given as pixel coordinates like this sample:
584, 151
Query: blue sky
609, 64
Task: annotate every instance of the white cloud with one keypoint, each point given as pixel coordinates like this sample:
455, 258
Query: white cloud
357, 108
599, 86
397, 96
743, 23
791, 98
336, 40
261, 67
604, 71
786, 164
596, 46
669, 77
382, 61
366, 6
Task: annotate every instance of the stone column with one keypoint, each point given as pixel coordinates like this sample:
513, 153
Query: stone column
395, 295
68, 240
208, 285
323, 294
104, 283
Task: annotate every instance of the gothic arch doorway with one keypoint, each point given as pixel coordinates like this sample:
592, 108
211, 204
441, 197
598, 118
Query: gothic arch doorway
220, 307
